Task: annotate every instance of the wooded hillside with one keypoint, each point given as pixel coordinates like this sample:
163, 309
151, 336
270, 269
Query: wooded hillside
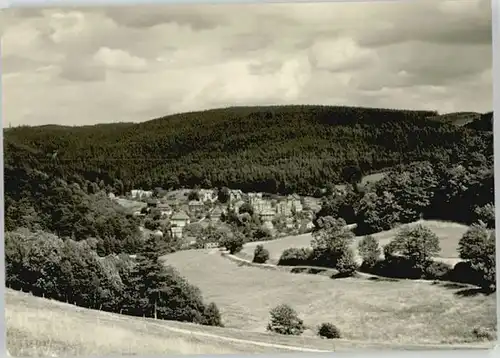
275, 149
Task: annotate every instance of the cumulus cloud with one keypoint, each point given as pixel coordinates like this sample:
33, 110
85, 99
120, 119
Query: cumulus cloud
89, 65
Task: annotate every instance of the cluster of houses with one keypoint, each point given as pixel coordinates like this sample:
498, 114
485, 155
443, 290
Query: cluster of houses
268, 209
206, 208
140, 194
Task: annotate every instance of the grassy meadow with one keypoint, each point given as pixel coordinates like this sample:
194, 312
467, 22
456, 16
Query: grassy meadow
41, 327
402, 312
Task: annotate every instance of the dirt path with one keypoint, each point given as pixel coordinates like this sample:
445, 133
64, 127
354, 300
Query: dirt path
237, 340
480, 345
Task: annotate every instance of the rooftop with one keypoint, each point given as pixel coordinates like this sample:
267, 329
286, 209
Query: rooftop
181, 215
195, 202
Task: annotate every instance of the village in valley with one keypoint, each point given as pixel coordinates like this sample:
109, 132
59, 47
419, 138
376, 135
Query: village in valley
185, 213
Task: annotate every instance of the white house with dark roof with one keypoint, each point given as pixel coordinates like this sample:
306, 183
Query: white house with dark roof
138, 194
196, 206
165, 209
284, 208
235, 194
216, 214
180, 219
260, 205
294, 201
267, 215
207, 195
176, 231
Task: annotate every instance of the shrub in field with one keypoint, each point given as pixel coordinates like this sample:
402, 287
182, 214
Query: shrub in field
211, 316
484, 334
284, 320
395, 267
295, 257
331, 241
474, 242
328, 330
463, 272
260, 255
417, 244
262, 234
369, 251
437, 271
478, 247
346, 264
234, 242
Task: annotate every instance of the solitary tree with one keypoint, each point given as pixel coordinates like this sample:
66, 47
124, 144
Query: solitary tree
223, 195
234, 242
478, 247
418, 244
261, 255
284, 320
369, 250
332, 241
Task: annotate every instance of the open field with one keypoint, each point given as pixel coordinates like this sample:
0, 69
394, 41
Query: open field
448, 233
179, 194
131, 205
403, 312
367, 179
36, 326
48, 328
457, 118
40, 327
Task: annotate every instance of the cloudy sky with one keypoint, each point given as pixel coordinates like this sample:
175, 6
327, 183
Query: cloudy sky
78, 66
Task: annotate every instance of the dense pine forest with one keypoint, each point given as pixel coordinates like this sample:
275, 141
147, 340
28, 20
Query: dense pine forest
279, 149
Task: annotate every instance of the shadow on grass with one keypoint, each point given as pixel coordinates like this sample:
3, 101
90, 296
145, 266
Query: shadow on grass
383, 279
308, 270
463, 289
451, 285
471, 292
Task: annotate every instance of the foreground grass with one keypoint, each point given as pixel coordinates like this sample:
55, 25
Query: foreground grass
395, 312
449, 235
39, 327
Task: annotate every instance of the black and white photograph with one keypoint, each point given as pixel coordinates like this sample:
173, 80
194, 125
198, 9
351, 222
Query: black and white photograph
253, 178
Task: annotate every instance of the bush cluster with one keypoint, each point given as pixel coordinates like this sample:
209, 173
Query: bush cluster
285, 320
296, 257
410, 256
329, 331
330, 247
233, 242
369, 250
261, 255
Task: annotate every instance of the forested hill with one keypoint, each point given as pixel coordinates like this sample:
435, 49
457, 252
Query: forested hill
471, 120
274, 149
484, 123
